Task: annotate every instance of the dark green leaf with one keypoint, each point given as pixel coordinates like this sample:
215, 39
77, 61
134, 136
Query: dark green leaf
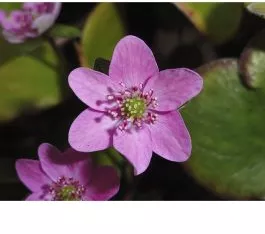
227, 127
218, 20
257, 8
102, 65
65, 31
110, 157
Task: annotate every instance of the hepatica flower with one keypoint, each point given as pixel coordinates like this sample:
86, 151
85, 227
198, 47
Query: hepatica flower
67, 176
29, 22
134, 108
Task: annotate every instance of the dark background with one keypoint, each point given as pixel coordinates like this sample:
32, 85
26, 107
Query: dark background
175, 43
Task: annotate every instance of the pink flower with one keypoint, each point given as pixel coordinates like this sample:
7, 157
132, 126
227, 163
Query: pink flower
134, 108
67, 176
29, 22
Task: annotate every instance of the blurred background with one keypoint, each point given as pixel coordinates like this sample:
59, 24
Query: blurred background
36, 104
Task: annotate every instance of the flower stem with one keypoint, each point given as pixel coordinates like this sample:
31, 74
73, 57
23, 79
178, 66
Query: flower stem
62, 65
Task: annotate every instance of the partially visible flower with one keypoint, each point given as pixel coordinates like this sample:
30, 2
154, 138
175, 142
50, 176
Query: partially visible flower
29, 22
67, 176
134, 108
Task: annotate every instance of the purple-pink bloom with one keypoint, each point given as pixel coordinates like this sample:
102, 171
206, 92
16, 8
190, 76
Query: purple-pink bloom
69, 176
30, 21
134, 108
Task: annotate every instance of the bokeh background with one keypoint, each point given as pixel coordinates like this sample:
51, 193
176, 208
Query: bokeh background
37, 105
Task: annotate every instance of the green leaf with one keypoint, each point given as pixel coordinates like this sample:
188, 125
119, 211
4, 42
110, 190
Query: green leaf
65, 31
257, 8
103, 29
9, 51
219, 21
252, 62
9, 6
30, 82
109, 157
102, 65
227, 127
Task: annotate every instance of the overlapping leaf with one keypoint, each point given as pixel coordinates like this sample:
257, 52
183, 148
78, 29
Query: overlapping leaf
226, 122
252, 62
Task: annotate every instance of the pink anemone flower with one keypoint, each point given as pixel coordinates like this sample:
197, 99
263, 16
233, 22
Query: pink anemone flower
67, 176
30, 21
135, 107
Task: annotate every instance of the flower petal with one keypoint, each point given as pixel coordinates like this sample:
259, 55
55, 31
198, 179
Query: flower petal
91, 131
70, 163
92, 87
57, 9
30, 173
170, 137
136, 146
132, 62
39, 196
48, 155
45, 21
104, 185
12, 38
80, 165
174, 87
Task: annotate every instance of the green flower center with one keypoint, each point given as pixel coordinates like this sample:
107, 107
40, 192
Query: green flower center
67, 193
66, 189
134, 107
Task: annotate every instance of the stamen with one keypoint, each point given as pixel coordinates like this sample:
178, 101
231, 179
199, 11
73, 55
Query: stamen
66, 189
132, 106
110, 97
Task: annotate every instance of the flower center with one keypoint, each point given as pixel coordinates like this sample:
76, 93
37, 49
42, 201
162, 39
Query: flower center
66, 189
66, 193
20, 24
131, 107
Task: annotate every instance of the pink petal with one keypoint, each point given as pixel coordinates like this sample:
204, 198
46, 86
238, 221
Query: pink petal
70, 163
12, 38
132, 62
45, 21
91, 131
170, 137
136, 146
47, 155
30, 173
92, 87
174, 87
104, 185
80, 165
57, 10
39, 196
